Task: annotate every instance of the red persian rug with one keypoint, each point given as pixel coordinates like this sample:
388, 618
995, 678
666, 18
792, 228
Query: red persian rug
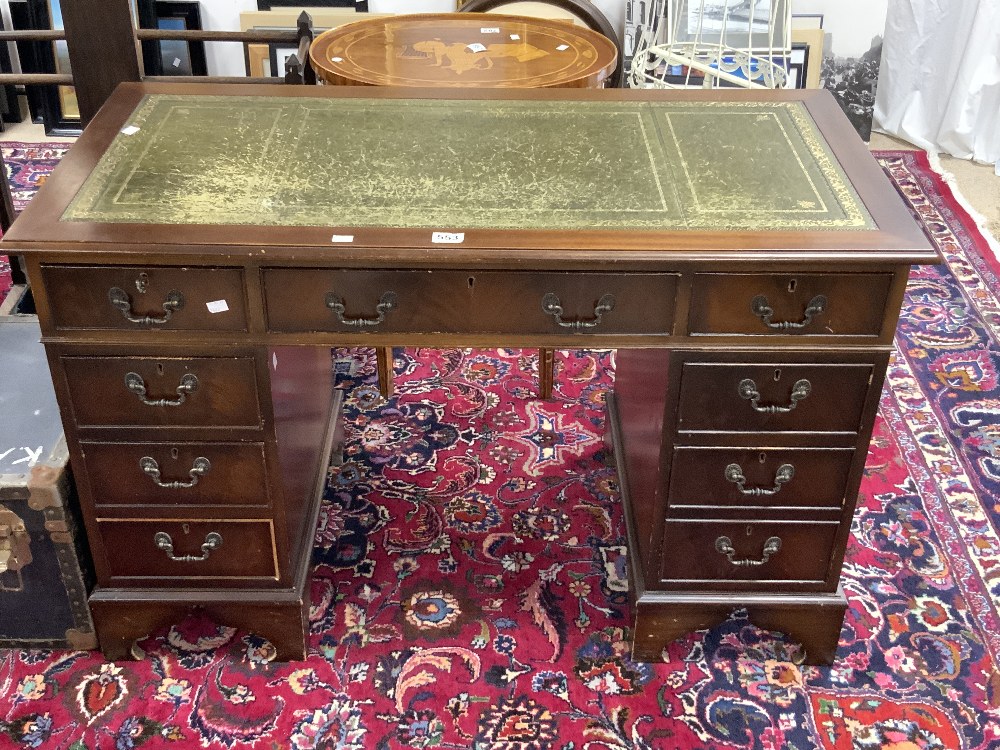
28, 164
468, 590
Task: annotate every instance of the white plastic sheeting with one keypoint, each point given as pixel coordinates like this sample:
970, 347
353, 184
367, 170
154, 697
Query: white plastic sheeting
939, 86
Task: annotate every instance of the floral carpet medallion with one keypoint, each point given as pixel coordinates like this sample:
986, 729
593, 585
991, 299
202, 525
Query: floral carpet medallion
470, 587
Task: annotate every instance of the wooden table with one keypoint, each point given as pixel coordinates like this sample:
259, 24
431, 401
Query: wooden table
742, 250
464, 49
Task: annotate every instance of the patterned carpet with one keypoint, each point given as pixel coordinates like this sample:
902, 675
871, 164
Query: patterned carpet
469, 593
28, 164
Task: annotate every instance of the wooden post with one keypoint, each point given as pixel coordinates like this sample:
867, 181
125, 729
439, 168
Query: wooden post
102, 49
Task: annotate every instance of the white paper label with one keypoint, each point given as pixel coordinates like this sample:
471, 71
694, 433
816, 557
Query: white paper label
342, 238
476, 47
337, 59
562, 47
490, 30
515, 37
274, 361
130, 130
217, 306
448, 238
177, 62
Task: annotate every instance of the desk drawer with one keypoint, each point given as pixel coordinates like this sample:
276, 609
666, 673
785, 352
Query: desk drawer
193, 550
583, 303
176, 474
145, 298
303, 300
321, 299
790, 477
163, 392
757, 304
775, 397
759, 551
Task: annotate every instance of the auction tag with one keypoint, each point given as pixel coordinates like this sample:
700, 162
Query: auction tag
448, 238
475, 47
337, 59
562, 47
342, 238
515, 37
490, 30
130, 130
217, 306
177, 62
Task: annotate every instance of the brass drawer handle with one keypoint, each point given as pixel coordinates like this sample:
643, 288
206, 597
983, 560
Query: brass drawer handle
760, 307
552, 306
213, 540
784, 474
199, 468
748, 390
724, 546
386, 304
120, 299
135, 383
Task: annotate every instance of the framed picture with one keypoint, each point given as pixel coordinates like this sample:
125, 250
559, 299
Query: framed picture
277, 54
359, 5
54, 106
813, 39
172, 57
798, 65
258, 61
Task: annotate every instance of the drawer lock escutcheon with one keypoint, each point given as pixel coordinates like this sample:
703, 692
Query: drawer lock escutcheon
213, 540
761, 307
199, 468
386, 304
724, 546
748, 390
135, 383
120, 299
784, 474
551, 305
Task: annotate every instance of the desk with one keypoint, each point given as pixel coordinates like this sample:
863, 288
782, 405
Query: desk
464, 49
741, 249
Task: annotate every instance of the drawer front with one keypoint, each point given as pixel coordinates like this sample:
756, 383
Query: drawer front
163, 392
584, 303
791, 477
145, 298
319, 299
176, 474
800, 305
737, 551
779, 397
179, 550
304, 300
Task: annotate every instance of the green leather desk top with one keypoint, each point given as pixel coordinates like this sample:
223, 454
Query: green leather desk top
509, 164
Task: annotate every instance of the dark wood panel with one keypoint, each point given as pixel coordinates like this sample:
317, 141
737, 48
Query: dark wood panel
713, 397
788, 304
640, 397
225, 394
246, 551
817, 476
516, 303
691, 558
235, 474
211, 299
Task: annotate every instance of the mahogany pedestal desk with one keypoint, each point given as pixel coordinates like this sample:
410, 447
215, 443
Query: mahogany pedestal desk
201, 247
